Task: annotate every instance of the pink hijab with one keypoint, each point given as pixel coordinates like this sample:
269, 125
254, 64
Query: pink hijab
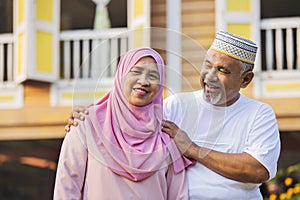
129, 137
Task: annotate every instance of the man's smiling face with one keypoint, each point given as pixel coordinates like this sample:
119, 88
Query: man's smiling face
220, 78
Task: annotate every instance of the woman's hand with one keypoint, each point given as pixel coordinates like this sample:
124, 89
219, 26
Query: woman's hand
78, 112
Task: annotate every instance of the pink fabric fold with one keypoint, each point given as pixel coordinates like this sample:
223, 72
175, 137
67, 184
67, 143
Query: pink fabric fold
129, 137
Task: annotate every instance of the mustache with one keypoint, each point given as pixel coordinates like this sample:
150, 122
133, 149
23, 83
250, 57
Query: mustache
212, 84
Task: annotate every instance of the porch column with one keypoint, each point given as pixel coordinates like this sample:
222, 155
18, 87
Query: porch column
173, 46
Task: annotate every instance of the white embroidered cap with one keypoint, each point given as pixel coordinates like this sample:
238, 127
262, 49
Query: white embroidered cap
235, 46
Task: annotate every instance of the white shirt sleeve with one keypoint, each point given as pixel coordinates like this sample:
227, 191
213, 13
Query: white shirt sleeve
263, 142
169, 108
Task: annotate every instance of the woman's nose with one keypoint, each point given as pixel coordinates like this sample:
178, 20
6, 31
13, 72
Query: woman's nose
143, 80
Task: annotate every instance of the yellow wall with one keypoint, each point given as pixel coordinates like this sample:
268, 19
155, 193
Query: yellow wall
37, 119
44, 56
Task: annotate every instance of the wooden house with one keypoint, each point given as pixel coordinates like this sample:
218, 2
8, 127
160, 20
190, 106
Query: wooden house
53, 57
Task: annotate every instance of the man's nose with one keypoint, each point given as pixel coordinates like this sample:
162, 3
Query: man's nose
212, 74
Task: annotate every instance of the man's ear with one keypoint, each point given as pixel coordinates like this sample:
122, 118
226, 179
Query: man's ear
246, 78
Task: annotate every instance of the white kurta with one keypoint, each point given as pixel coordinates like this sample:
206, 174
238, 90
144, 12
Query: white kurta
246, 126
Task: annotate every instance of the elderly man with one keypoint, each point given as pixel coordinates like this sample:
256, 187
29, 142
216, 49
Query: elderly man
233, 139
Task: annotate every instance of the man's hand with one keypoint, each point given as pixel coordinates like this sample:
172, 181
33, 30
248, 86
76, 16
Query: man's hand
78, 112
182, 140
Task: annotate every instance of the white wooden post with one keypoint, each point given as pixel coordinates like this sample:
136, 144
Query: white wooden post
174, 47
279, 49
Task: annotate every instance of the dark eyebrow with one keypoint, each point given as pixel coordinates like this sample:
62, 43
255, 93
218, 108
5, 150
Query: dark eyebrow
137, 67
207, 60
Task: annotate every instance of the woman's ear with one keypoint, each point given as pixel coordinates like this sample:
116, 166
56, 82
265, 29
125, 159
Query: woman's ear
246, 78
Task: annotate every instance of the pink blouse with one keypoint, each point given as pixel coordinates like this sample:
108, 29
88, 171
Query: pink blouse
82, 175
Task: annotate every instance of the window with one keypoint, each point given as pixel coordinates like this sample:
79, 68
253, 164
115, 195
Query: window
6, 13
70, 19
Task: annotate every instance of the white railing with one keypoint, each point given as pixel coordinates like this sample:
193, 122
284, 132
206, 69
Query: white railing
6, 58
87, 54
281, 44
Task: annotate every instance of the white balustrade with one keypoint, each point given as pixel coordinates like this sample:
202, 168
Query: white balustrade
282, 43
90, 54
6, 58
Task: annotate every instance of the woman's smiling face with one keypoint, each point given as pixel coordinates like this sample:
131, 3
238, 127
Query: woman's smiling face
142, 82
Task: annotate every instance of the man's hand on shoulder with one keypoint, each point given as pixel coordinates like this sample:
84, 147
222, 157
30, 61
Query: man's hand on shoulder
78, 112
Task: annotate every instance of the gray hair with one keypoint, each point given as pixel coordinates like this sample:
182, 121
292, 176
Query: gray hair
245, 66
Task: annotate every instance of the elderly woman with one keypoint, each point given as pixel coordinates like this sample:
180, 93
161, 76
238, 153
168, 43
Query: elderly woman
119, 151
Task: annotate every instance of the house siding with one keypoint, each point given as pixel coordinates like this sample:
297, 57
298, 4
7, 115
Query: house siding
198, 28
198, 32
